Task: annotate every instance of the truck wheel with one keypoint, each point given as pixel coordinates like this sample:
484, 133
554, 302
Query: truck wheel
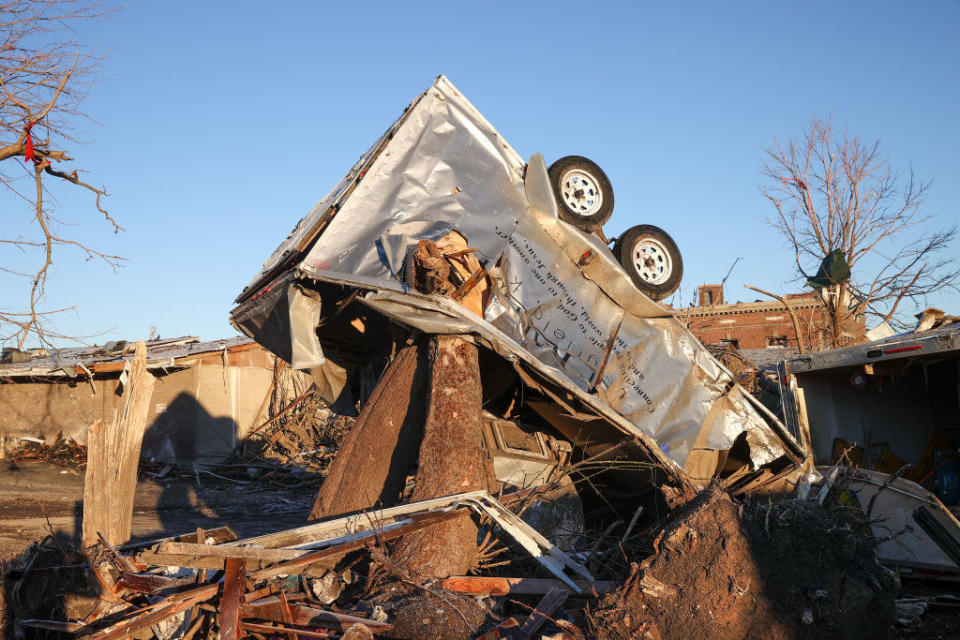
651, 258
583, 191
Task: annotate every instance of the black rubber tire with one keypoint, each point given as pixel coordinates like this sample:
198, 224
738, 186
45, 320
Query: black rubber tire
588, 222
624, 252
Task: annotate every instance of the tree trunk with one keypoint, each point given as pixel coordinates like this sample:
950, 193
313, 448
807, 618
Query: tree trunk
113, 455
451, 461
372, 464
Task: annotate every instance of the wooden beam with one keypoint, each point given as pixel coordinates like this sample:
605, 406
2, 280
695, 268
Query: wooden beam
547, 606
272, 609
528, 586
274, 630
223, 551
233, 588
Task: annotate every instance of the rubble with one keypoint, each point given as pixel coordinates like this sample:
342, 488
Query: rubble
63, 452
881, 417
539, 449
757, 570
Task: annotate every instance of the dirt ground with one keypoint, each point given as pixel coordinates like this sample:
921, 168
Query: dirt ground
780, 571
719, 569
33, 495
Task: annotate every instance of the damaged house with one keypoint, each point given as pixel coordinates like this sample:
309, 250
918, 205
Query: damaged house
890, 409
208, 395
766, 324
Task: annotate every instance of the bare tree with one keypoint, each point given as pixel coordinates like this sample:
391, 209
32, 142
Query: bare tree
42, 81
832, 191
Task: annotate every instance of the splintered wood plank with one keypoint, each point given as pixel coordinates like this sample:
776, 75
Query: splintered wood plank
219, 536
113, 454
220, 551
270, 630
174, 605
150, 582
272, 609
547, 606
532, 586
234, 583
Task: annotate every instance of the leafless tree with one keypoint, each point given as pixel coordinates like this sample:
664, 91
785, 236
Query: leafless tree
43, 78
831, 190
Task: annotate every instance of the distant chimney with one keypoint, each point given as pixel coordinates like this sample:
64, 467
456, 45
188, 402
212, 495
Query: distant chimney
710, 294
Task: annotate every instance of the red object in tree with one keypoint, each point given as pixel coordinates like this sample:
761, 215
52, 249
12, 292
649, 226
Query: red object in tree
28, 147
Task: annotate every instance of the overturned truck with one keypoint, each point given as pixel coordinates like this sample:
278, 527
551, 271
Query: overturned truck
571, 351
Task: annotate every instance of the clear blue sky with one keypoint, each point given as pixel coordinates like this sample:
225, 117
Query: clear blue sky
220, 124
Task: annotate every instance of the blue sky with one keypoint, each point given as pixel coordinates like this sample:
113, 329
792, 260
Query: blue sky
218, 125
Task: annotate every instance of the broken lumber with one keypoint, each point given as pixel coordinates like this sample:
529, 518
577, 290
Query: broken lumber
271, 609
275, 630
497, 586
234, 583
382, 443
113, 455
547, 606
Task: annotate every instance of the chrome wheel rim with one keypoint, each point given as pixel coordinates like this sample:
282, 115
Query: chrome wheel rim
652, 261
581, 192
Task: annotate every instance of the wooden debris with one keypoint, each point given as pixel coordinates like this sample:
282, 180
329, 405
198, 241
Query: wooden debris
509, 629
431, 270
262, 590
113, 453
273, 630
233, 588
304, 615
547, 606
498, 586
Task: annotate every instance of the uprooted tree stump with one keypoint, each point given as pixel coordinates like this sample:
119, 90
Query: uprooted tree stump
451, 458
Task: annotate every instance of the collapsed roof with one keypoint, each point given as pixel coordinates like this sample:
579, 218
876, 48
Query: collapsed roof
110, 358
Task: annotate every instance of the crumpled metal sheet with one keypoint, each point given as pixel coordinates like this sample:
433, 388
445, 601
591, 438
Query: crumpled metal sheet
558, 295
444, 168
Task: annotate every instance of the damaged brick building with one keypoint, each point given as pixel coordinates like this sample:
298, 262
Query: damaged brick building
764, 324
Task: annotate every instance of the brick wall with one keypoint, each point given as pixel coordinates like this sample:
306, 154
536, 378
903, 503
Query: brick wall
758, 325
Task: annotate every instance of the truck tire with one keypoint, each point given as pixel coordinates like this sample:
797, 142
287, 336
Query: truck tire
651, 258
583, 192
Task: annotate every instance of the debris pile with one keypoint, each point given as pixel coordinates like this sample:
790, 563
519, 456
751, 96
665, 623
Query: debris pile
754, 570
329, 579
64, 452
295, 446
541, 449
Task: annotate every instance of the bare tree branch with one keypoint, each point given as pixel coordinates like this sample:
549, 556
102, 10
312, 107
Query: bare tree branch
41, 82
829, 191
